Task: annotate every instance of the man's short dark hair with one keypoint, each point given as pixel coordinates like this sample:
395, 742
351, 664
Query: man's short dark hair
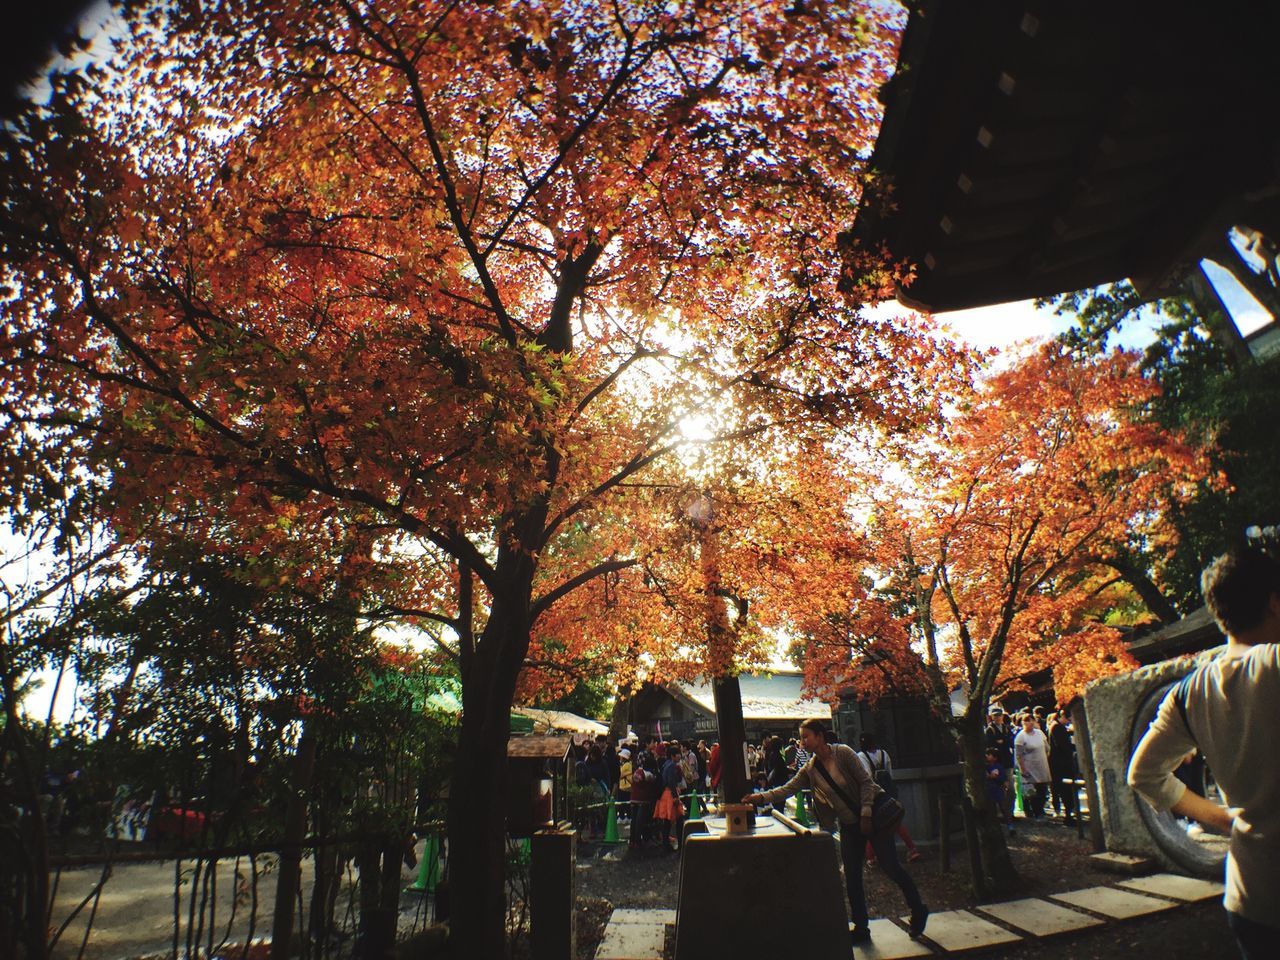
1238, 586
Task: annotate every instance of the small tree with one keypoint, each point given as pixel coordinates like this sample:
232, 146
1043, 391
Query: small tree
1227, 403
987, 537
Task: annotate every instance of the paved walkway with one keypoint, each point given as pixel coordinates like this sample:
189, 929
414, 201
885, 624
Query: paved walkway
639, 934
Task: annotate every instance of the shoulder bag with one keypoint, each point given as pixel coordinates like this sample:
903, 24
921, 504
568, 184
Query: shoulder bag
882, 774
886, 811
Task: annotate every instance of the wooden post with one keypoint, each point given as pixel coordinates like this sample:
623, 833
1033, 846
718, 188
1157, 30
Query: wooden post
733, 738
944, 832
553, 919
1217, 316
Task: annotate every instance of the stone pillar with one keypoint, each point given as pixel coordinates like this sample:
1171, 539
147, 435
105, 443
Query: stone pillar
1084, 756
553, 892
1117, 711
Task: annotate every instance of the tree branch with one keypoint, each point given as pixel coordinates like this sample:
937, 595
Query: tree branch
544, 603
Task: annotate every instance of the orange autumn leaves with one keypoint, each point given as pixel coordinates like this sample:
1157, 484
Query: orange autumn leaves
992, 536
446, 278
379, 257
972, 553
449, 277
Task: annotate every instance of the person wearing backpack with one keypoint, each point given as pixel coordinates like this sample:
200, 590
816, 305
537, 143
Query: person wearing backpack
670, 809
1226, 709
646, 780
837, 777
880, 765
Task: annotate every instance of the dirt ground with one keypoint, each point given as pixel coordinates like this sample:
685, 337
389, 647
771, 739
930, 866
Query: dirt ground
1048, 856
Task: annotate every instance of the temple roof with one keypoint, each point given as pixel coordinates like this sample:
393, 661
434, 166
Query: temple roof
765, 696
1036, 148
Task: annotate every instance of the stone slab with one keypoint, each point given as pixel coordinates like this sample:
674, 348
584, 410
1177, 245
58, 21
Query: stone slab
1175, 887
889, 942
1040, 918
652, 915
956, 930
632, 941
1121, 863
1110, 902
1112, 706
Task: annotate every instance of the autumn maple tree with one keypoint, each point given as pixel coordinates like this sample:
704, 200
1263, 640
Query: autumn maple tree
990, 541
720, 563
418, 292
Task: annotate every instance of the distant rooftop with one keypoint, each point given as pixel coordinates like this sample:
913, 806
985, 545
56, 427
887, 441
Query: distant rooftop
765, 696
539, 748
547, 721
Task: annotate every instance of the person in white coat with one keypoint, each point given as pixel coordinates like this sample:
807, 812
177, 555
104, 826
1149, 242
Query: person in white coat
1031, 752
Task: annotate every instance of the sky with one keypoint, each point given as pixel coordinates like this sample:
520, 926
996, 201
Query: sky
1004, 325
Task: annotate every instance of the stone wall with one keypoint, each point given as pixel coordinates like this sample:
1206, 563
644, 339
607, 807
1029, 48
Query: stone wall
1118, 711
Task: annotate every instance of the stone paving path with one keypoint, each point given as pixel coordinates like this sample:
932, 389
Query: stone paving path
639, 934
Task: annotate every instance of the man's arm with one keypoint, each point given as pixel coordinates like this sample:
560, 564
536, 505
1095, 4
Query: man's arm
1162, 748
1213, 815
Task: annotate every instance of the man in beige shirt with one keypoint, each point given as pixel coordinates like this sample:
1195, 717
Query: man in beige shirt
1227, 709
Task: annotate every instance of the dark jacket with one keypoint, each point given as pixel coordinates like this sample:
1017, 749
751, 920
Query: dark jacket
1062, 761
1000, 739
672, 776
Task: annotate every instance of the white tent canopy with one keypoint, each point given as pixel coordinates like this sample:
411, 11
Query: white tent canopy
561, 721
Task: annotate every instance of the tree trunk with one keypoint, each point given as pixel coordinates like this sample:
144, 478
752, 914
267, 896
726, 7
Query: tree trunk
620, 718
379, 864
289, 878
328, 875
733, 738
477, 828
999, 875
28, 876
478, 790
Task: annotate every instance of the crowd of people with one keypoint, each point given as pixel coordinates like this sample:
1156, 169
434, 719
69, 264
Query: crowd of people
1036, 753
651, 778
